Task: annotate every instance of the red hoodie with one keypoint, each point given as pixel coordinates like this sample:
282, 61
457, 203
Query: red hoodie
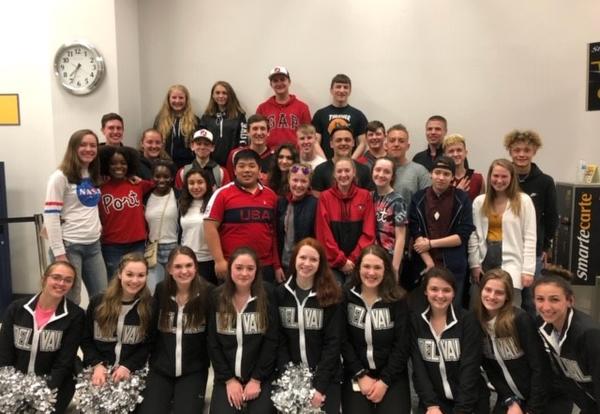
345, 223
284, 119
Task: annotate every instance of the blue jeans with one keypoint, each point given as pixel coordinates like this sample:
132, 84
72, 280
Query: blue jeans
87, 260
112, 254
157, 273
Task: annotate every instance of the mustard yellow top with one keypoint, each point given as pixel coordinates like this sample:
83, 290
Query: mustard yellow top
495, 227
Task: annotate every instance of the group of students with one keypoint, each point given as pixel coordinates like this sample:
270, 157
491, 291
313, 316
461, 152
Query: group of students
202, 187
357, 339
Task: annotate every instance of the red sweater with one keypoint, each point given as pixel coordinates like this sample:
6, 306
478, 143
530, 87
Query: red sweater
284, 119
122, 211
345, 223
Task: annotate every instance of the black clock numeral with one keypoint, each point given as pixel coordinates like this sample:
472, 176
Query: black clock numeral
78, 51
91, 60
65, 60
62, 66
85, 53
64, 74
91, 74
87, 82
78, 83
70, 53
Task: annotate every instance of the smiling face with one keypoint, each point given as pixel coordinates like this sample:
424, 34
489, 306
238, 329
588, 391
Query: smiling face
163, 178
87, 150
372, 269
280, 84
152, 144
299, 184
307, 263
113, 132
493, 296
522, 154
457, 152
58, 282
202, 147
183, 270
383, 171
439, 294
243, 272
285, 159
197, 186
247, 172
435, 131
133, 279
343, 173
340, 93
117, 167
258, 133
177, 100
306, 142
375, 139
220, 96
500, 178
342, 143
552, 303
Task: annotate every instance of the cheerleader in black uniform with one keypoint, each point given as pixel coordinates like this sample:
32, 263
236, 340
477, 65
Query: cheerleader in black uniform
513, 354
117, 323
376, 346
572, 340
446, 352
40, 335
311, 322
179, 356
242, 338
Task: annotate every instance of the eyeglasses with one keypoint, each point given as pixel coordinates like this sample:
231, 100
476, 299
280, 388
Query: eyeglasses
300, 168
68, 280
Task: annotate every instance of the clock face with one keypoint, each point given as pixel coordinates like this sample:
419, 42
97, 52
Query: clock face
79, 67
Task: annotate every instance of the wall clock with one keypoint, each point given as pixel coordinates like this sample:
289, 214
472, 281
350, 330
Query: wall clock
79, 67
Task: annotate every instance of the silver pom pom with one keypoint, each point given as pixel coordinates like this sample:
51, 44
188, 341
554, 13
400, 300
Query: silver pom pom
120, 397
25, 393
293, 391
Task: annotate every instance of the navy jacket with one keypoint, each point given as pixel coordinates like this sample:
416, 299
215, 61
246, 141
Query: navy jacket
304, 211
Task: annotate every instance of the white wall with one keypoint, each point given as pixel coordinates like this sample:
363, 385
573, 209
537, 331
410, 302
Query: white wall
32, 31
488, 67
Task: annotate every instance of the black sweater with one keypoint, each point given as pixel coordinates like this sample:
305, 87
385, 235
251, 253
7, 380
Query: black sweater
51, 350
447, 368
304, 212
244, 349
540, 187
227, 134
575, 358
128, 340
525, 362
376, 338
178, 350
312, 338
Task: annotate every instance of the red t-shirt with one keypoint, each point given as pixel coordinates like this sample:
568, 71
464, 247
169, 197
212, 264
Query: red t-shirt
122, 211
246, 219
284, 119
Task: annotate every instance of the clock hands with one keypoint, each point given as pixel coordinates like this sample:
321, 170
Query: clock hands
72, 74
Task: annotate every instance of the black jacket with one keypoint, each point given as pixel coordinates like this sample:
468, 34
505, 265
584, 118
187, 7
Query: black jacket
176, 144
227, 134
128, 340
244, 349
455, 258
50, 351
376, 339
169, 356
576, 358
313, 339
304, 211
525, 362
448, 369
540, 187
